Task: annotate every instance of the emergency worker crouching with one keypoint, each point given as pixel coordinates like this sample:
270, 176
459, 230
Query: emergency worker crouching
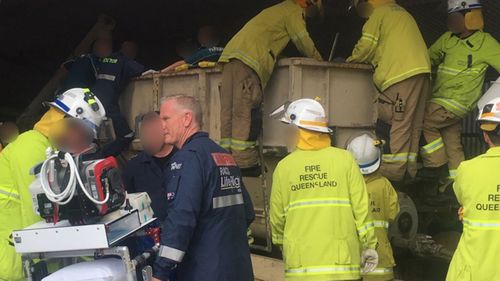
383, 202
54, 129
319, 204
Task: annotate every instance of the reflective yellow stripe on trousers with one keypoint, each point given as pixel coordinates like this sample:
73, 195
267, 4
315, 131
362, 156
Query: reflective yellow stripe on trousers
225, 143
9, 194
320, 270
381, 224
399, 157
453, 174
482, 224
233, 144
380, 271
432, 146
242, 145
320, 202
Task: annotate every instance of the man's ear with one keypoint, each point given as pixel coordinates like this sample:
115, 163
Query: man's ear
188, 118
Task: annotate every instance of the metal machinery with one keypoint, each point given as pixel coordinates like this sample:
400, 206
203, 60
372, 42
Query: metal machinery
86, 212
345, 90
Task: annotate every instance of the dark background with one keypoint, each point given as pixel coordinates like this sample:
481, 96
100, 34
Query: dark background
36, 36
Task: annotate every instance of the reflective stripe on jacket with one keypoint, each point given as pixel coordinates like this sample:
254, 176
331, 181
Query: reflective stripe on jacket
384, 207
477, 187
259, 43
461, 68
208, 213
319, 214
393, 44
16, 208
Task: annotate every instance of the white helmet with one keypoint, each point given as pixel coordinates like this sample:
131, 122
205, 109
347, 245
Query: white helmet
304, 113
489, 115
367, 153
462, 5
82, 104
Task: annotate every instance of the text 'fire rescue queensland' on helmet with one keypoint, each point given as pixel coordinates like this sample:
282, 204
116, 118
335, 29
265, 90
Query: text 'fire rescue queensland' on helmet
367, 152
82, 104
489, 116
304, 113
463, 5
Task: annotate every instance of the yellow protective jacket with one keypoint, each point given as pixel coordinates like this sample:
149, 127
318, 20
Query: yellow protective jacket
384, 207
259, 43
393, 44
16, 209
462, 65
477, 187
319, 215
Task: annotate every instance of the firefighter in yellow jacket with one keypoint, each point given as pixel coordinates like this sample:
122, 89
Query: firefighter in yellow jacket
477, 187
28, 150
319, 204
249, 59
393, 44
461, 56
383, 202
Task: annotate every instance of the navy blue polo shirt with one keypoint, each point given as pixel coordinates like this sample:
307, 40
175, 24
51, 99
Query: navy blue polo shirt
112, 77
205, 54
209, 211
82, 72
143, 174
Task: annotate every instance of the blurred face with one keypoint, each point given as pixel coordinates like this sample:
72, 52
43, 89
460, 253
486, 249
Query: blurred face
292, 136
175, 122
207, 36
185, 49
306, 3
72, 136
8, 132
456, 23
130, 49
152, 137
363, 8
103, 48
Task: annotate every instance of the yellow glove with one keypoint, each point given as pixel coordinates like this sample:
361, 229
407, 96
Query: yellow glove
182, 67
207, 64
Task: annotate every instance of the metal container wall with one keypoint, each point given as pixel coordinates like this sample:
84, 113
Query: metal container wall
345, 90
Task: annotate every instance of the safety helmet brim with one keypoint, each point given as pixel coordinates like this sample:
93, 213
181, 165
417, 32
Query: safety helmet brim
370, 168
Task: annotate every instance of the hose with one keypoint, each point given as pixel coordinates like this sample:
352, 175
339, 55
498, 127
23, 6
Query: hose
68, 192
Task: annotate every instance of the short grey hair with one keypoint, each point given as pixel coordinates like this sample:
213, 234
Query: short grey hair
190, 103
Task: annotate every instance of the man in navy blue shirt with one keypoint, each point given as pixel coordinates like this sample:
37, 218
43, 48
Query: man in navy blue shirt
112, 77
146, 171
209, 209
82, 71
